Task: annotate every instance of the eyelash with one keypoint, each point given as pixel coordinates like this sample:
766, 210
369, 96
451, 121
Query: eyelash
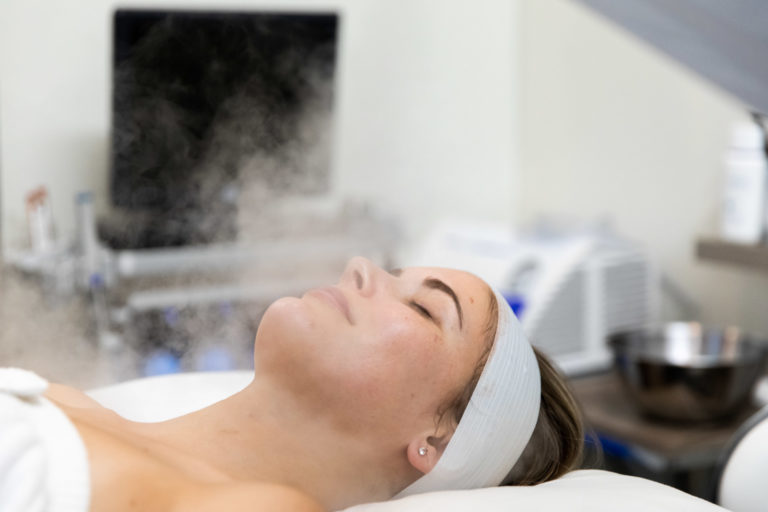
422, 310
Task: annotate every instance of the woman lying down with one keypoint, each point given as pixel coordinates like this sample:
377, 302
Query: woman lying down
385, 385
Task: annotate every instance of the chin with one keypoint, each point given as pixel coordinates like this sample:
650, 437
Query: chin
291, 348
282, 317
286, 326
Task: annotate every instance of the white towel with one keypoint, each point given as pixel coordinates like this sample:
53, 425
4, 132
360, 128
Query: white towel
43, 461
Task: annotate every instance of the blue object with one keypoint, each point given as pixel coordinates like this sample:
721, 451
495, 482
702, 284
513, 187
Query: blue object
614, 447
96, 281
85, 196
215, 359
516, 302
171, 316
161, 362
226, 309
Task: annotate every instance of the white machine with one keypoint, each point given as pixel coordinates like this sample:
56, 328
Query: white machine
569, 290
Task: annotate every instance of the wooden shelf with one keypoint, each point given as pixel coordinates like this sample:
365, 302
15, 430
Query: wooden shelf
609, 410
750, 256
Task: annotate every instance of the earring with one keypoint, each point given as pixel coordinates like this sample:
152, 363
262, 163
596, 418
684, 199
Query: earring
422, 451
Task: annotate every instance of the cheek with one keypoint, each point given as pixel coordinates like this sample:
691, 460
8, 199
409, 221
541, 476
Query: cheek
409, 364
406, 342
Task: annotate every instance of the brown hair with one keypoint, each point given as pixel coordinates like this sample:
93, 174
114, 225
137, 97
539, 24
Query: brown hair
557, 443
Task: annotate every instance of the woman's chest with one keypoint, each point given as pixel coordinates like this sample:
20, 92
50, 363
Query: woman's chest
130, 470
127, 476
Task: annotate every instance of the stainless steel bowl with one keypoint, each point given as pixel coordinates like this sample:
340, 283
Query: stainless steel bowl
688, 372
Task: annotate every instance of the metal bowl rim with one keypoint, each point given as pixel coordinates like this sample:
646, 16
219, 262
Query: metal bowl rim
621, 343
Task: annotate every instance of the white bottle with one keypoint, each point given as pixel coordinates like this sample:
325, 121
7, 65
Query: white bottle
744, 194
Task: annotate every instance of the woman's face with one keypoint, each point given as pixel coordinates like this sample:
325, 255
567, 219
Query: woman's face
378, 346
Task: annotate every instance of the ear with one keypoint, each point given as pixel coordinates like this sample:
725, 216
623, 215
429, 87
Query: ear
426, 449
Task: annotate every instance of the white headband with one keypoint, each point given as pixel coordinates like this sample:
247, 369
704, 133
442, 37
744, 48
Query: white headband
499, 418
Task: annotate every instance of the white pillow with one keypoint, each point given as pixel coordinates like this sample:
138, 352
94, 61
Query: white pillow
168, 396
585, 490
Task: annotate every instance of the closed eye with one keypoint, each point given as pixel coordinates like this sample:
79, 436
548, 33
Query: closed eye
422, 310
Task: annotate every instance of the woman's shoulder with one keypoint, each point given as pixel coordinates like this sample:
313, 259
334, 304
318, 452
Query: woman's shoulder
244, 497
68, 396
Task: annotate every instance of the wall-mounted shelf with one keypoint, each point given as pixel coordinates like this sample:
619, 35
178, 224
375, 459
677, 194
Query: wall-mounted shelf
751, 256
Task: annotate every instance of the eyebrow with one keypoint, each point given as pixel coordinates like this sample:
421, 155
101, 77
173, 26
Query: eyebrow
437, 284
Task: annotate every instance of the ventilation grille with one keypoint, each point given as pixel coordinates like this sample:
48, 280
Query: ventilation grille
560, 329
623, 303
626, 294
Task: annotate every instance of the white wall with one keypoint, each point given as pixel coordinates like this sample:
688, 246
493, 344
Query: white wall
425, 110
53, 105
610, 127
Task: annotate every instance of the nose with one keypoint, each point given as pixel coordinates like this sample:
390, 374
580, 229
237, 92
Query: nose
361, 274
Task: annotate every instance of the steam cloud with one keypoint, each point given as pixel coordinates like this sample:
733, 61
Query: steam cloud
212, 125
209, 108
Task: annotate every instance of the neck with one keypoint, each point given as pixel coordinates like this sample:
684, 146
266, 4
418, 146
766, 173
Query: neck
262, 434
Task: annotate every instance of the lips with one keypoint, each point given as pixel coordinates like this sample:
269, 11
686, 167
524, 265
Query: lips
336, 299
